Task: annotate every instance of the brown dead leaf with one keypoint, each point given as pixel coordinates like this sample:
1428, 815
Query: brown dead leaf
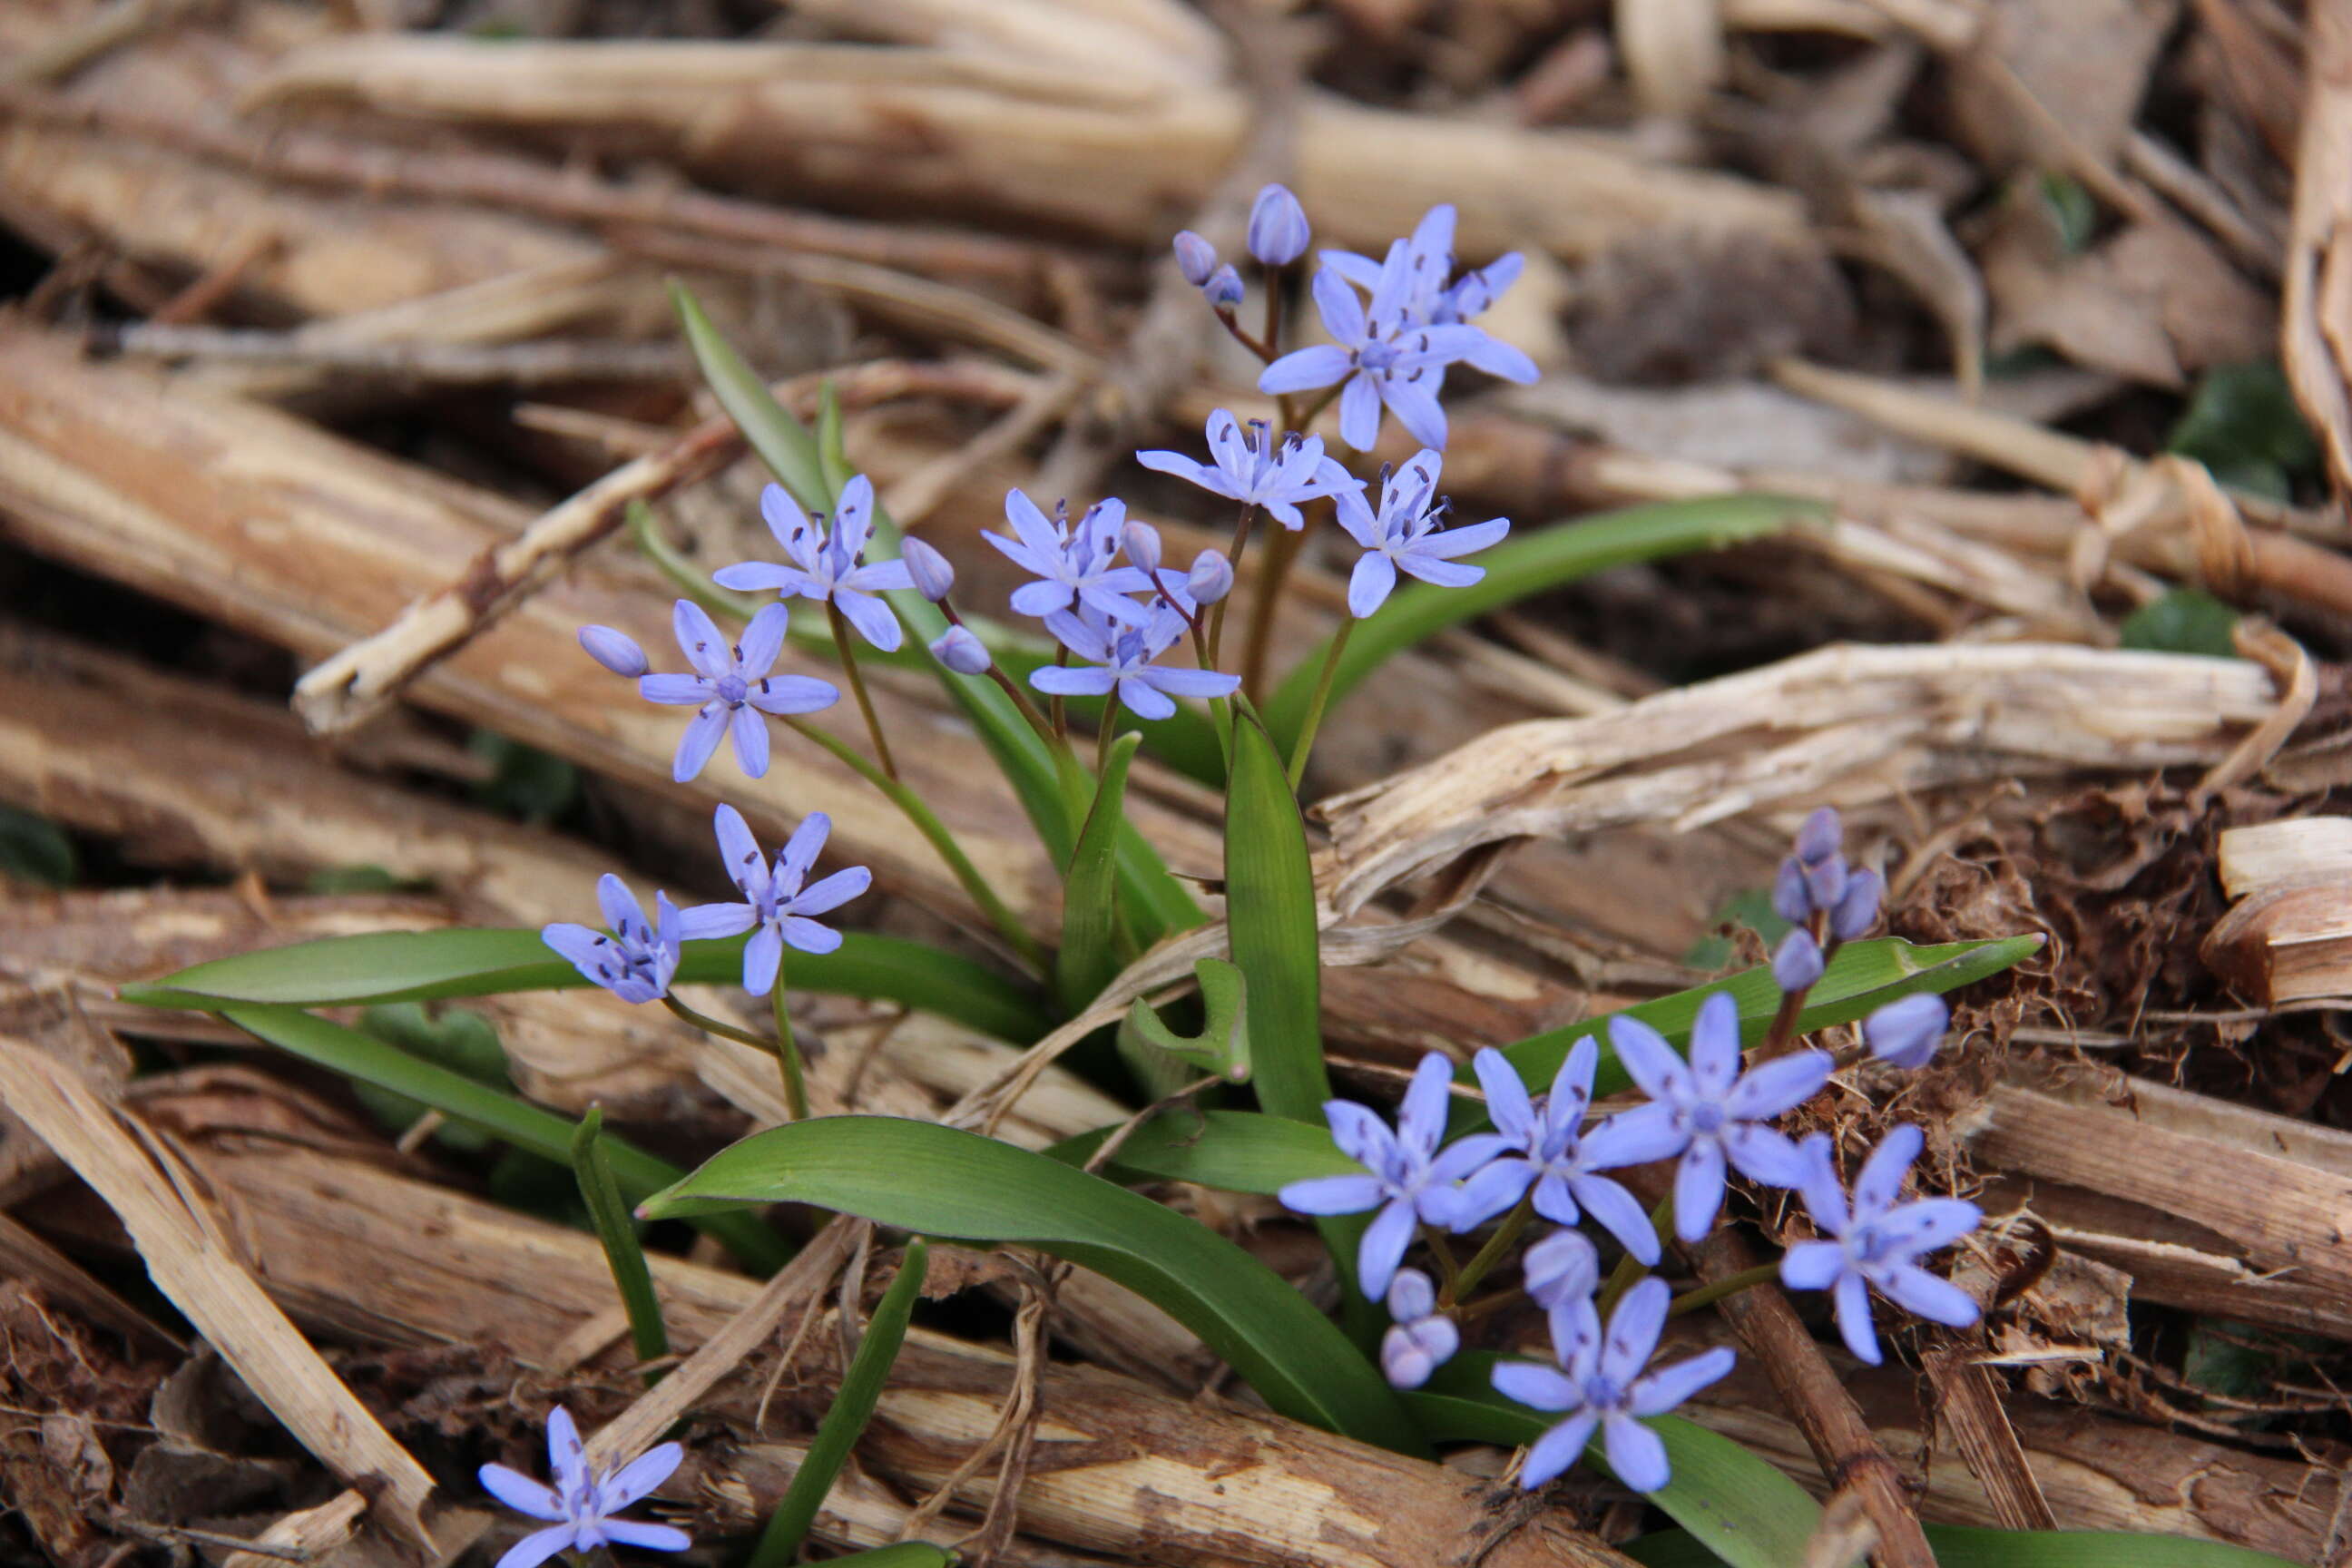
2155, 303
1681, 305
2084, 62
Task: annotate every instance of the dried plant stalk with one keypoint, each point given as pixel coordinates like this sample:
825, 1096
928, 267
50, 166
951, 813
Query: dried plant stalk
1106, 154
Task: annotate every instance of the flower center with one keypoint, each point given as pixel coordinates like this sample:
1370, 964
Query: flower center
1706, 1117
731, 690
1377, 355
1601, 1392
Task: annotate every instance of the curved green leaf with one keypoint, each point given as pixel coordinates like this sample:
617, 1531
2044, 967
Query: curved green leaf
1529, 563
608, 1212
852, 1406
1222, 1044
367, 1060
782, 442
1745, 1512
425, 966
941, 1181
1234, 1150
1090, 956
1967, 1546
1270, 912
897, 1554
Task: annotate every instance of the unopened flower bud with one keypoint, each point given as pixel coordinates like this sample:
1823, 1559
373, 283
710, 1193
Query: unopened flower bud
1817, 840
934, 578
1212, 577
1141, 542
1563, 1267
1195, 257
1907, 1032
1224, 288
1789, 899
1857, 907
1797, 962
1826, 881
960, 651
1410, 1351
616, 651
1277, 226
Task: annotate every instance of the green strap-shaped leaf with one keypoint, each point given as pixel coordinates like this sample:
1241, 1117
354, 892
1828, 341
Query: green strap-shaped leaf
1745, 1512
1090, 955
852, 1406
366, 1059
941, 1181
1222, 1044
427, 965
897, 1554
1863, 977
1159, 902
1529, 563
1234, 1150
1968, 1546
1270, 912
608, 1211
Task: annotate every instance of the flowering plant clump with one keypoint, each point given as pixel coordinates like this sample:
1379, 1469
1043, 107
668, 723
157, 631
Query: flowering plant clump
1119, 626
1538, 1198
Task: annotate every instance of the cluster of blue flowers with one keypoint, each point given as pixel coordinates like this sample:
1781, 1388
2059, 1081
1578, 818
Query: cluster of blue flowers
1711, 1113
1115, 608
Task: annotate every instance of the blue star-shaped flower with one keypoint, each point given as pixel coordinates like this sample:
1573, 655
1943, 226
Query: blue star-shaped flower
1388, 354
1248, 464
1708, 1111
774, 901
1406, 534
1071, 563
1600, 1384
1878, 1243
635, 961
827, 561
1408, 1179
1120, 659
580, 1505
1430, 258
1556, 1159
732, 685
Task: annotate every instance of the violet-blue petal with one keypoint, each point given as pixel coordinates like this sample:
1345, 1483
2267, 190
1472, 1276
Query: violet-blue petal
1361, 1136
1906, 1031
1482, 1195
698, 638
1930, 1225
1062, 682
1382, 1247
1698, 1188
711, 923
1879, 1183
1508, 1106
1857, 907
1923, 1295
520, 1492
1550, 1455
1466, 540
678, 690
1852, 1298
1790, 902
1797, 962
1342, 312
1654, 1064
1414, 403
1307, 370
1782, 1084
831, 893
1761, 1154
1371, 582
1637, 1455
537, 1547
640, 1477
1333, 1195
805, 934
750, 736
787, 696
1535, 1386
1635, 1137
646, 1537
1178, 681
762, 955
1359, 413
1715, 1045
1420, 1117
1143, 699
1417, 563
703, 732
1812, 1265
1618, 1213
873, 618
1634, 1329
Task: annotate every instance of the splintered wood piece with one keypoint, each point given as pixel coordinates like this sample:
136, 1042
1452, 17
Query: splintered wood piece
2288, 935
191, 1263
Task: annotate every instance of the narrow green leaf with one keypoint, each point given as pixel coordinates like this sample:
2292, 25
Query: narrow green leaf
897, 1554
852, 1406
1270, 911
609, 1212
941, 1181
1861, 978
1234, 1150
1969, 1546
1529, 563
1222, 1044
782, 442
1745, 1512
422, 965
1090, 955
527, 1127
